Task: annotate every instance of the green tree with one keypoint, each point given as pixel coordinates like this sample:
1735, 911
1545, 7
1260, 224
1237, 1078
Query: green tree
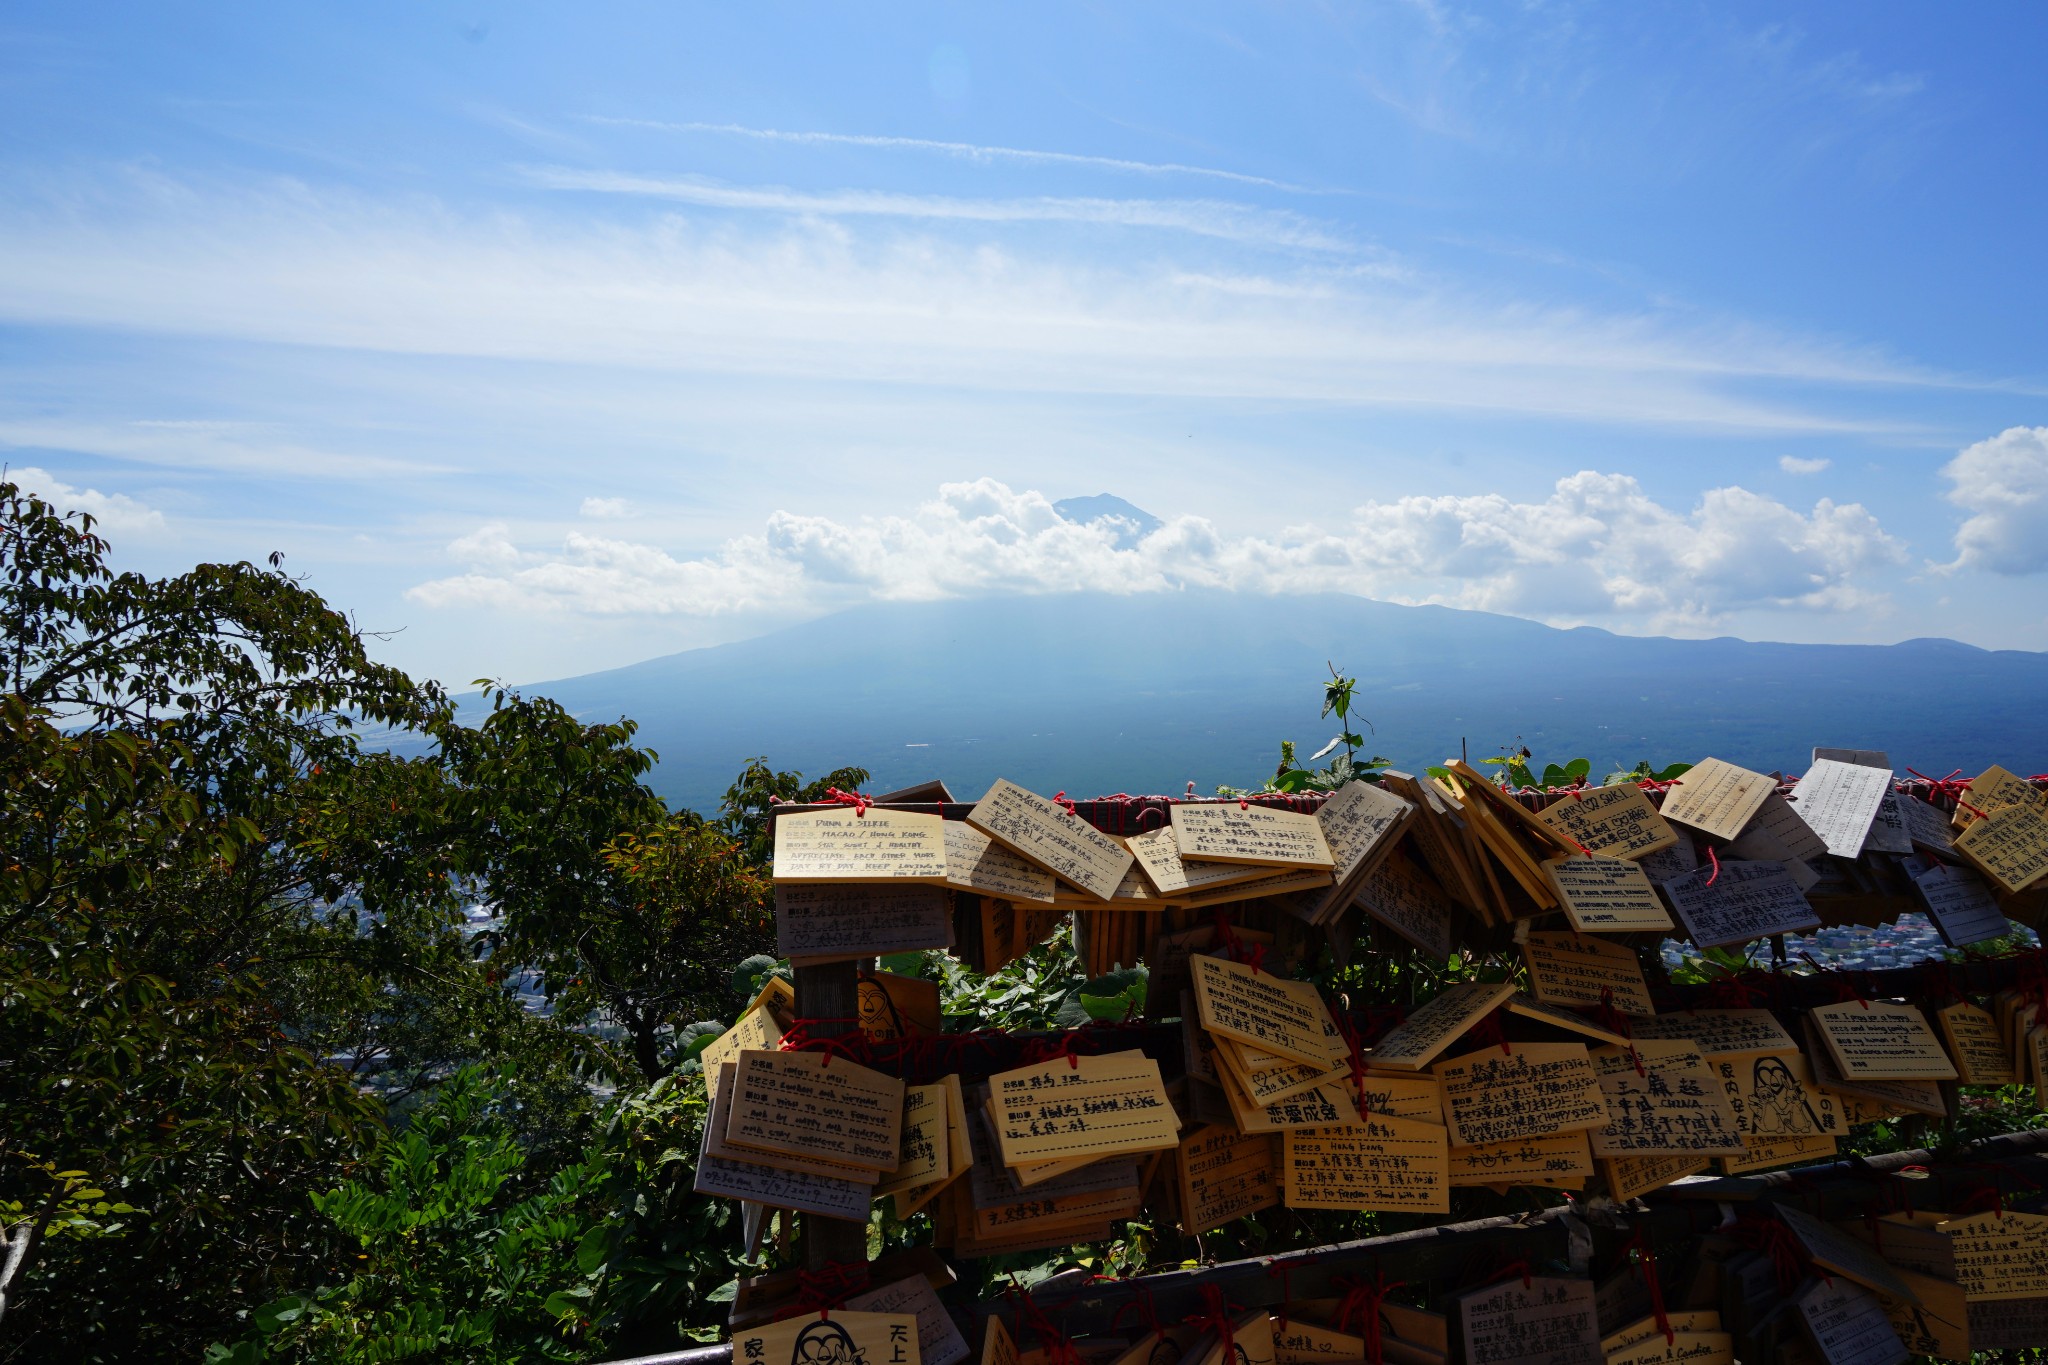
744, 812
206, 887
461, 1252
631, 914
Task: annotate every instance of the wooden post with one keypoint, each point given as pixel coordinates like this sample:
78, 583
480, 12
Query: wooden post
831, 991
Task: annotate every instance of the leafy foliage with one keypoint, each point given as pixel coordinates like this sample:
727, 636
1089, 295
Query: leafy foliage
458, 1254
1339, 695
744, 812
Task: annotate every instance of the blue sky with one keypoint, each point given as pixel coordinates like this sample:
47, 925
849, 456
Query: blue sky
553, 337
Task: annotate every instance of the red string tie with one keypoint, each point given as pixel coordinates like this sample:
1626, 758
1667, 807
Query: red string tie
854, 1047
1215, 1317
1148, 1310
1512, 1269
1361, 1304
1646, 1266
860, 804
825, 1288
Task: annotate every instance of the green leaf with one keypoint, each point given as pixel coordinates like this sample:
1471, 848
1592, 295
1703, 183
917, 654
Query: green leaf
273, 1317
692, 1039
567, 1305
1111, 1008
594, 1250
725, 1293
748, 976
903, 964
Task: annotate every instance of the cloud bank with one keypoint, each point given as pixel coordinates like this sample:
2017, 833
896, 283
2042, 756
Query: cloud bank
2003, 483
1597, 548
819, 287
112, 513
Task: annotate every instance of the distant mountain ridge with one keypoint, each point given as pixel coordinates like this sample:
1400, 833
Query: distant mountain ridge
1096, 693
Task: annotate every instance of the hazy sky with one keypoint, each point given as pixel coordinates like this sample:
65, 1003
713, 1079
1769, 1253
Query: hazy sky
554, 337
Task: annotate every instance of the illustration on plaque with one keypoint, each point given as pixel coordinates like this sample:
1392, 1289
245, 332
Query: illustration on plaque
1778, 1102
825, 1343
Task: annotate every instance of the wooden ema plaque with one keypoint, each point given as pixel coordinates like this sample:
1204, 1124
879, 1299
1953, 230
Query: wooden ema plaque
1684, 1348
1438, 1023
1405, 899
807, 1104
1360, 823
892, 1006
1088, 1107
1050, 836
1575, 969
1980, 1055
1256, 835
836, 922
1839, 802
1960, 904
1994, 790
1534, 1089
1384, 1164
1558, 1160
836, 1337
1557, 1016
938, 1340
1326, 1106
1717, 1032
1158, 855
975, 862
1716, 798
1607, 895
1773, 1097
1889, 832
1927, 826
1544, 1320
1267, 1077
754, 1031
2000, 1257
1225, 1175
1662, 1100
1400, 1096
923, 1152
1630, 1176
1610, 822
1835, 1250
1408, 901
871, 846
1848, 1326
717, 1144
1869, 1098
2009, 846
1936, 1322
1275, 1015
845, 1200
1879, 1040
1736, 902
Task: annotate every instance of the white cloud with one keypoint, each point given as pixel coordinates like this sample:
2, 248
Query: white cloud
1792, 464
2003, 483
968, 151
1202, 217
606, 509
231, 447
1598, 547
112, 513
850, 299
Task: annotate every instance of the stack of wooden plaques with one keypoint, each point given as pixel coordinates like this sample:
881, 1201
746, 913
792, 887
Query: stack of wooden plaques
1545, 1064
